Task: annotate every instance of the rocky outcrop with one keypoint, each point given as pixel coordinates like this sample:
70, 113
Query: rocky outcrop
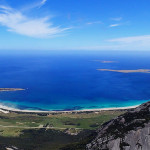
130, 131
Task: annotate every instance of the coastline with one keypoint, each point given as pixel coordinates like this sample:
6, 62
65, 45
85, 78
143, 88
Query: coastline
6, 109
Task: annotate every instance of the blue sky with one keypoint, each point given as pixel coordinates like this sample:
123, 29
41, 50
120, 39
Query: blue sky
75, 24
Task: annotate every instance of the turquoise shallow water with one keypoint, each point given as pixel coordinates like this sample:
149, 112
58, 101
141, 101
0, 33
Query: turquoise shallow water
64, 80
80, 106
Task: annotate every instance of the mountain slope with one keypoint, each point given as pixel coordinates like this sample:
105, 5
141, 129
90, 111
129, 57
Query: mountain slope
130, 131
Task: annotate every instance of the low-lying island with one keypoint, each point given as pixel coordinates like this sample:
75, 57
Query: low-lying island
11, 89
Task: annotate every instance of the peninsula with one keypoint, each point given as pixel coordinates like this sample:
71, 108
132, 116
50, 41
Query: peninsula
127, 71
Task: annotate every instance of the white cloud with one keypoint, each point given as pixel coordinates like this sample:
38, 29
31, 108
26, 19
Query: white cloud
114, 25
131, 43
116, 19
42, 3
94, 22
37, 4
137, 43
17, 22
143, 38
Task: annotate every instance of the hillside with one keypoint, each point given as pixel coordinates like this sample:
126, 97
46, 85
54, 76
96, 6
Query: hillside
130, 131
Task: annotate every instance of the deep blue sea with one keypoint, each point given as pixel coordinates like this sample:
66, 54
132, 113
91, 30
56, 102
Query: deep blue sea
69, 80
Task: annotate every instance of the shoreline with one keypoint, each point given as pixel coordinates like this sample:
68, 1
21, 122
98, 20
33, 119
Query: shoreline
6, 109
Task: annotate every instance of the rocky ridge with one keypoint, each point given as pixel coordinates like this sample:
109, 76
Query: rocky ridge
130, 131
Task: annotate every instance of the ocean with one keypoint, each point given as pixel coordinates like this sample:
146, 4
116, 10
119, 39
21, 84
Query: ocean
69, 80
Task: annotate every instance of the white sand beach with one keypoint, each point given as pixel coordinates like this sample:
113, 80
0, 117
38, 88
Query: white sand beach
6, 109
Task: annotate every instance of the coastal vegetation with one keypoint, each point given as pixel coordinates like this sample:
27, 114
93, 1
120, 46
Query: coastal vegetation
66, 129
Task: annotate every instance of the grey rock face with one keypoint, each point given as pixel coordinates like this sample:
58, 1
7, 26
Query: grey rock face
130, 131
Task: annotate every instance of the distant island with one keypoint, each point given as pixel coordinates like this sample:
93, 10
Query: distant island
108, 61
105, 61
11, 89
127, 71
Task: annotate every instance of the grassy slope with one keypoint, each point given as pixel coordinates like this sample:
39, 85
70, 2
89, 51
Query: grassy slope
18, 129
